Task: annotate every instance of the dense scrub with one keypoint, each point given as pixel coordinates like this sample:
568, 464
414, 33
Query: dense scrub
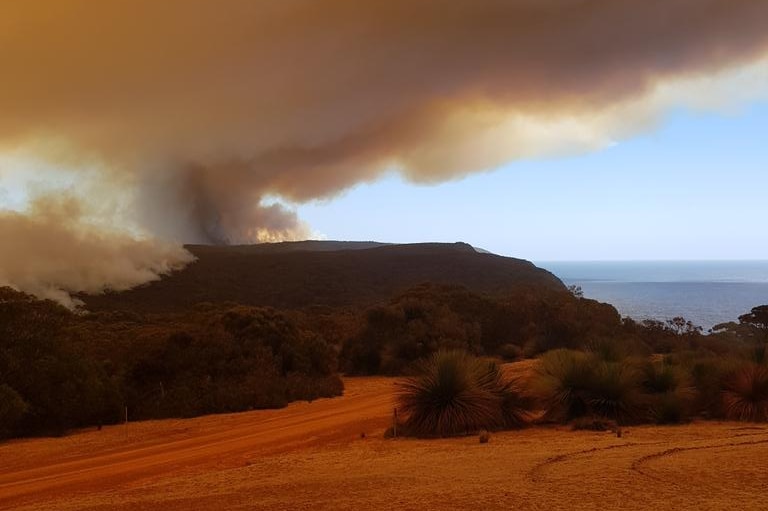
723, 375
60, 370
428, 318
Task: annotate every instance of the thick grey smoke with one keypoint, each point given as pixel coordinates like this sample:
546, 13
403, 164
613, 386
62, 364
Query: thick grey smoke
199, 112
52, 251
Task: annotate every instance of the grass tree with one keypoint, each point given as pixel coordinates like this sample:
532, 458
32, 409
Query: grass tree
455, 393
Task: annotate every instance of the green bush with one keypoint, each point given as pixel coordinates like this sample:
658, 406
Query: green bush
572, 384
455, 393
608, 350
707, 374
12, 409
745, 394
615, 392
563, 380
239, 358
513, 401
669, 390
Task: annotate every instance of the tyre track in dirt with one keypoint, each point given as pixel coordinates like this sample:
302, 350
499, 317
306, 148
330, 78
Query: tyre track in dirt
299, 426
639, 463
536, 474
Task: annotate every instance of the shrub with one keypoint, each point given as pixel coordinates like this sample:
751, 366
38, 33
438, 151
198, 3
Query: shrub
514, 403
745, 394
615, 392
308, 388
669, 408
670, 393
455, 393
608, 350
758, 353
572, 384
563, 380
12, 409
707, 375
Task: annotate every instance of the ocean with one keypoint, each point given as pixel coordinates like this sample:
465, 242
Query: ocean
704, 292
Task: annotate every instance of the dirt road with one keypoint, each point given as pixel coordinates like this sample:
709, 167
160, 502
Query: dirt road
312, 456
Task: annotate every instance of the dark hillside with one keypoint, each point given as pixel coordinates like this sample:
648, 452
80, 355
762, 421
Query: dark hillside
306, 274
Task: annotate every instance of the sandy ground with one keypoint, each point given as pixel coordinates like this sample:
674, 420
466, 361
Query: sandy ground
313, 456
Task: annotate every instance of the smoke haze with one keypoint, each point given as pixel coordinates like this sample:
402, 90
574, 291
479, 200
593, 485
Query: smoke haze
52, 251
195, 113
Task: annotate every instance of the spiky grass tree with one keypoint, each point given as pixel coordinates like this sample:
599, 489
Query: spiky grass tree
454, 393
562, 381
670, 392
514, 403
708, 374
745, 394
615, 392
572, 384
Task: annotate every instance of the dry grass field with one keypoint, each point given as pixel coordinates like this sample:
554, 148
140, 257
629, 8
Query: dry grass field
314, 456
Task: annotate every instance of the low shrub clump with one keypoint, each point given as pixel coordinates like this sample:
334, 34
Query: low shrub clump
562, 382
454, 393
745, 394
669, 391
573, 384
584, 389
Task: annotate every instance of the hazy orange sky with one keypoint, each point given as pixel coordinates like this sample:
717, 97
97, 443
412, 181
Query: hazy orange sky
183, 121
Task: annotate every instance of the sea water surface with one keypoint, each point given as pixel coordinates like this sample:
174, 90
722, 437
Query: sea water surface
704, 292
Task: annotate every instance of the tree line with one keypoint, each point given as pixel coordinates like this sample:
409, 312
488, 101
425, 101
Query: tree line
61, 369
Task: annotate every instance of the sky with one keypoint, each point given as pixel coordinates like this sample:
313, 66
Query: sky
691, 189
540, 129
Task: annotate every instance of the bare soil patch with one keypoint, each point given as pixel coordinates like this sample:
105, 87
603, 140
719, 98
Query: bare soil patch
314, 456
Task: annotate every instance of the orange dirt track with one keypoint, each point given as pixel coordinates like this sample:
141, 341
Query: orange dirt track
312, 456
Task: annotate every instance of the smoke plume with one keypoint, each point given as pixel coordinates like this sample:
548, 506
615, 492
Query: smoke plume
52, 251
198, 113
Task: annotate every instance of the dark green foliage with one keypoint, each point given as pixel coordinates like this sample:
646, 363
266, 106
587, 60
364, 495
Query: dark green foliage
60, 387
669, 408
238, 359
563, 380
429, 318
415, 325
758, 353
609, 350
12, 409
682, 327
664, 336
660, 377
752, 326
573, 384
615, 393
515, 404
60, 370
454, 393
670, 392
707, 374
745, 394
757, 319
